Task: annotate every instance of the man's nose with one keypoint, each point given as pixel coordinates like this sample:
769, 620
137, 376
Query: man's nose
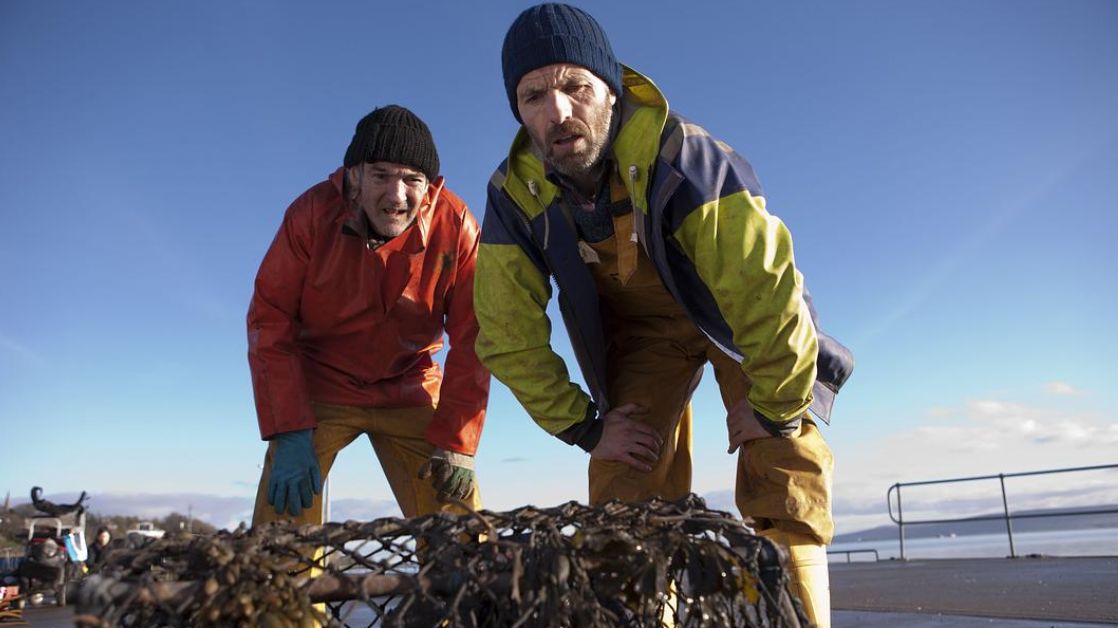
558, 107
398, 190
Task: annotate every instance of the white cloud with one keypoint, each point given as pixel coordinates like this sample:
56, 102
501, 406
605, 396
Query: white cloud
1061, 388
21, 350
992, 408
362, 509
982, 437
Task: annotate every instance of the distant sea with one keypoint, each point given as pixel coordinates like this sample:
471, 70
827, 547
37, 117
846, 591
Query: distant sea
1083, 542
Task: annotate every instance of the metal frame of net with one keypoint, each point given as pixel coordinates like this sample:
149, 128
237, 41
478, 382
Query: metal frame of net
653, 563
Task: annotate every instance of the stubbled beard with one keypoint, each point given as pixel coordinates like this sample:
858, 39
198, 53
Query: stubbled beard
595, 131
392, 222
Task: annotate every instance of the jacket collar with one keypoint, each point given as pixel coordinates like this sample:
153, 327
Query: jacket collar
414, 239
644, 109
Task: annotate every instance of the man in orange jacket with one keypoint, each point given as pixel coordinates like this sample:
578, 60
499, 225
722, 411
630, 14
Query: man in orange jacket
368, 270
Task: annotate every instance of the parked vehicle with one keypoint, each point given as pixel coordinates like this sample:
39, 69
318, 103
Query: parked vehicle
148, 529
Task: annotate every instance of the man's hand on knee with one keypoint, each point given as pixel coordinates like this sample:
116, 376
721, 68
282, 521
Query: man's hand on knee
451, 473
627, 440
295, 476
742, 426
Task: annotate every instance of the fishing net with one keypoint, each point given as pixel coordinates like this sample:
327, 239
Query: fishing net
653, 563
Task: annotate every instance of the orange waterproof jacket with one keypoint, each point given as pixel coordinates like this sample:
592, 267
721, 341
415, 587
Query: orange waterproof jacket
333, 321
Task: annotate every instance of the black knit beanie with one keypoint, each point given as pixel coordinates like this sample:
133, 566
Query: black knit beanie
556, 33
393, 133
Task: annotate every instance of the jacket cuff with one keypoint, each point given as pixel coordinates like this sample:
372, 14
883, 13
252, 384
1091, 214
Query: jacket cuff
779, 429
585, 433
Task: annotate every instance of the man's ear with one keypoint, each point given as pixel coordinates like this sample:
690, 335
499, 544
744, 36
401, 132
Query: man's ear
434, 188
353, 181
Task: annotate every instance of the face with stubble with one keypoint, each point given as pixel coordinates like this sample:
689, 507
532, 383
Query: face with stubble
566, 110
389, 194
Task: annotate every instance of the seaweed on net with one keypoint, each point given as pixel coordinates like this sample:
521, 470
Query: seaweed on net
655, 563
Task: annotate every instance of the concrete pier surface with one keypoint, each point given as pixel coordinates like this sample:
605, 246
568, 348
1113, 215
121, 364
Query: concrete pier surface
1080, 589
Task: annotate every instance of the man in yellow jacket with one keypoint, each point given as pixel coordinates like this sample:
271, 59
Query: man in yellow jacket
666, 258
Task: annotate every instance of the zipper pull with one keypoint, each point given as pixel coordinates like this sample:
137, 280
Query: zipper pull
634, 174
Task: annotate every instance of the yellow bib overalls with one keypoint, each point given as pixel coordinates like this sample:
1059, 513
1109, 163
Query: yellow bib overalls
655, 357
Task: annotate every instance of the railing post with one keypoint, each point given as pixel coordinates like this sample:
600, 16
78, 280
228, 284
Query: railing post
1008, 520
900, 518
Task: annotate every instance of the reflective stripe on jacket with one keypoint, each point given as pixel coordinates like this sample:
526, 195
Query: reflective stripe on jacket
701, 217
336, 322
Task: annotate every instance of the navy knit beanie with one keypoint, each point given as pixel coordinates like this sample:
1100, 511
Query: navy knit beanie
393, 133
556, 33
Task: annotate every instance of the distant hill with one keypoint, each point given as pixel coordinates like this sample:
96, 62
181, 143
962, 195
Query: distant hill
962, 528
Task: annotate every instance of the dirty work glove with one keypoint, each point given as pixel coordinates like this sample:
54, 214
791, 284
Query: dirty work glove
451, 473
295, 473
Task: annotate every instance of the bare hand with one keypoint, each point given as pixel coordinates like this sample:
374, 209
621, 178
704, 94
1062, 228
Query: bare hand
742, 426
627, 440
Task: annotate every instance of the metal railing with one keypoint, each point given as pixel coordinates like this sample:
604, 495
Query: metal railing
876, 557
1006, 516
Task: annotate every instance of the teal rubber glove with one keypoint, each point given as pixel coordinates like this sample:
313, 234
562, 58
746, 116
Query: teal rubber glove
295, 473
451, 473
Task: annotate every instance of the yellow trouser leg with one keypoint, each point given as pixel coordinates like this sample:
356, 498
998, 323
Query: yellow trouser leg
397, 436
401, 447
658, 375
784, 487
807, 568
337, 427
785, 483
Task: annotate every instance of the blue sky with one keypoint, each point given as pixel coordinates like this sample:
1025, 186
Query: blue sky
948, 170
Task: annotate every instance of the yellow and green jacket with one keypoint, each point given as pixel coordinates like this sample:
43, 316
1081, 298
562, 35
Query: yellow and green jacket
700, 216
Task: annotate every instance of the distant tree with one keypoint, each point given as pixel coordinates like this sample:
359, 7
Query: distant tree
13, 525
11, 531
13, 528
177, 522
